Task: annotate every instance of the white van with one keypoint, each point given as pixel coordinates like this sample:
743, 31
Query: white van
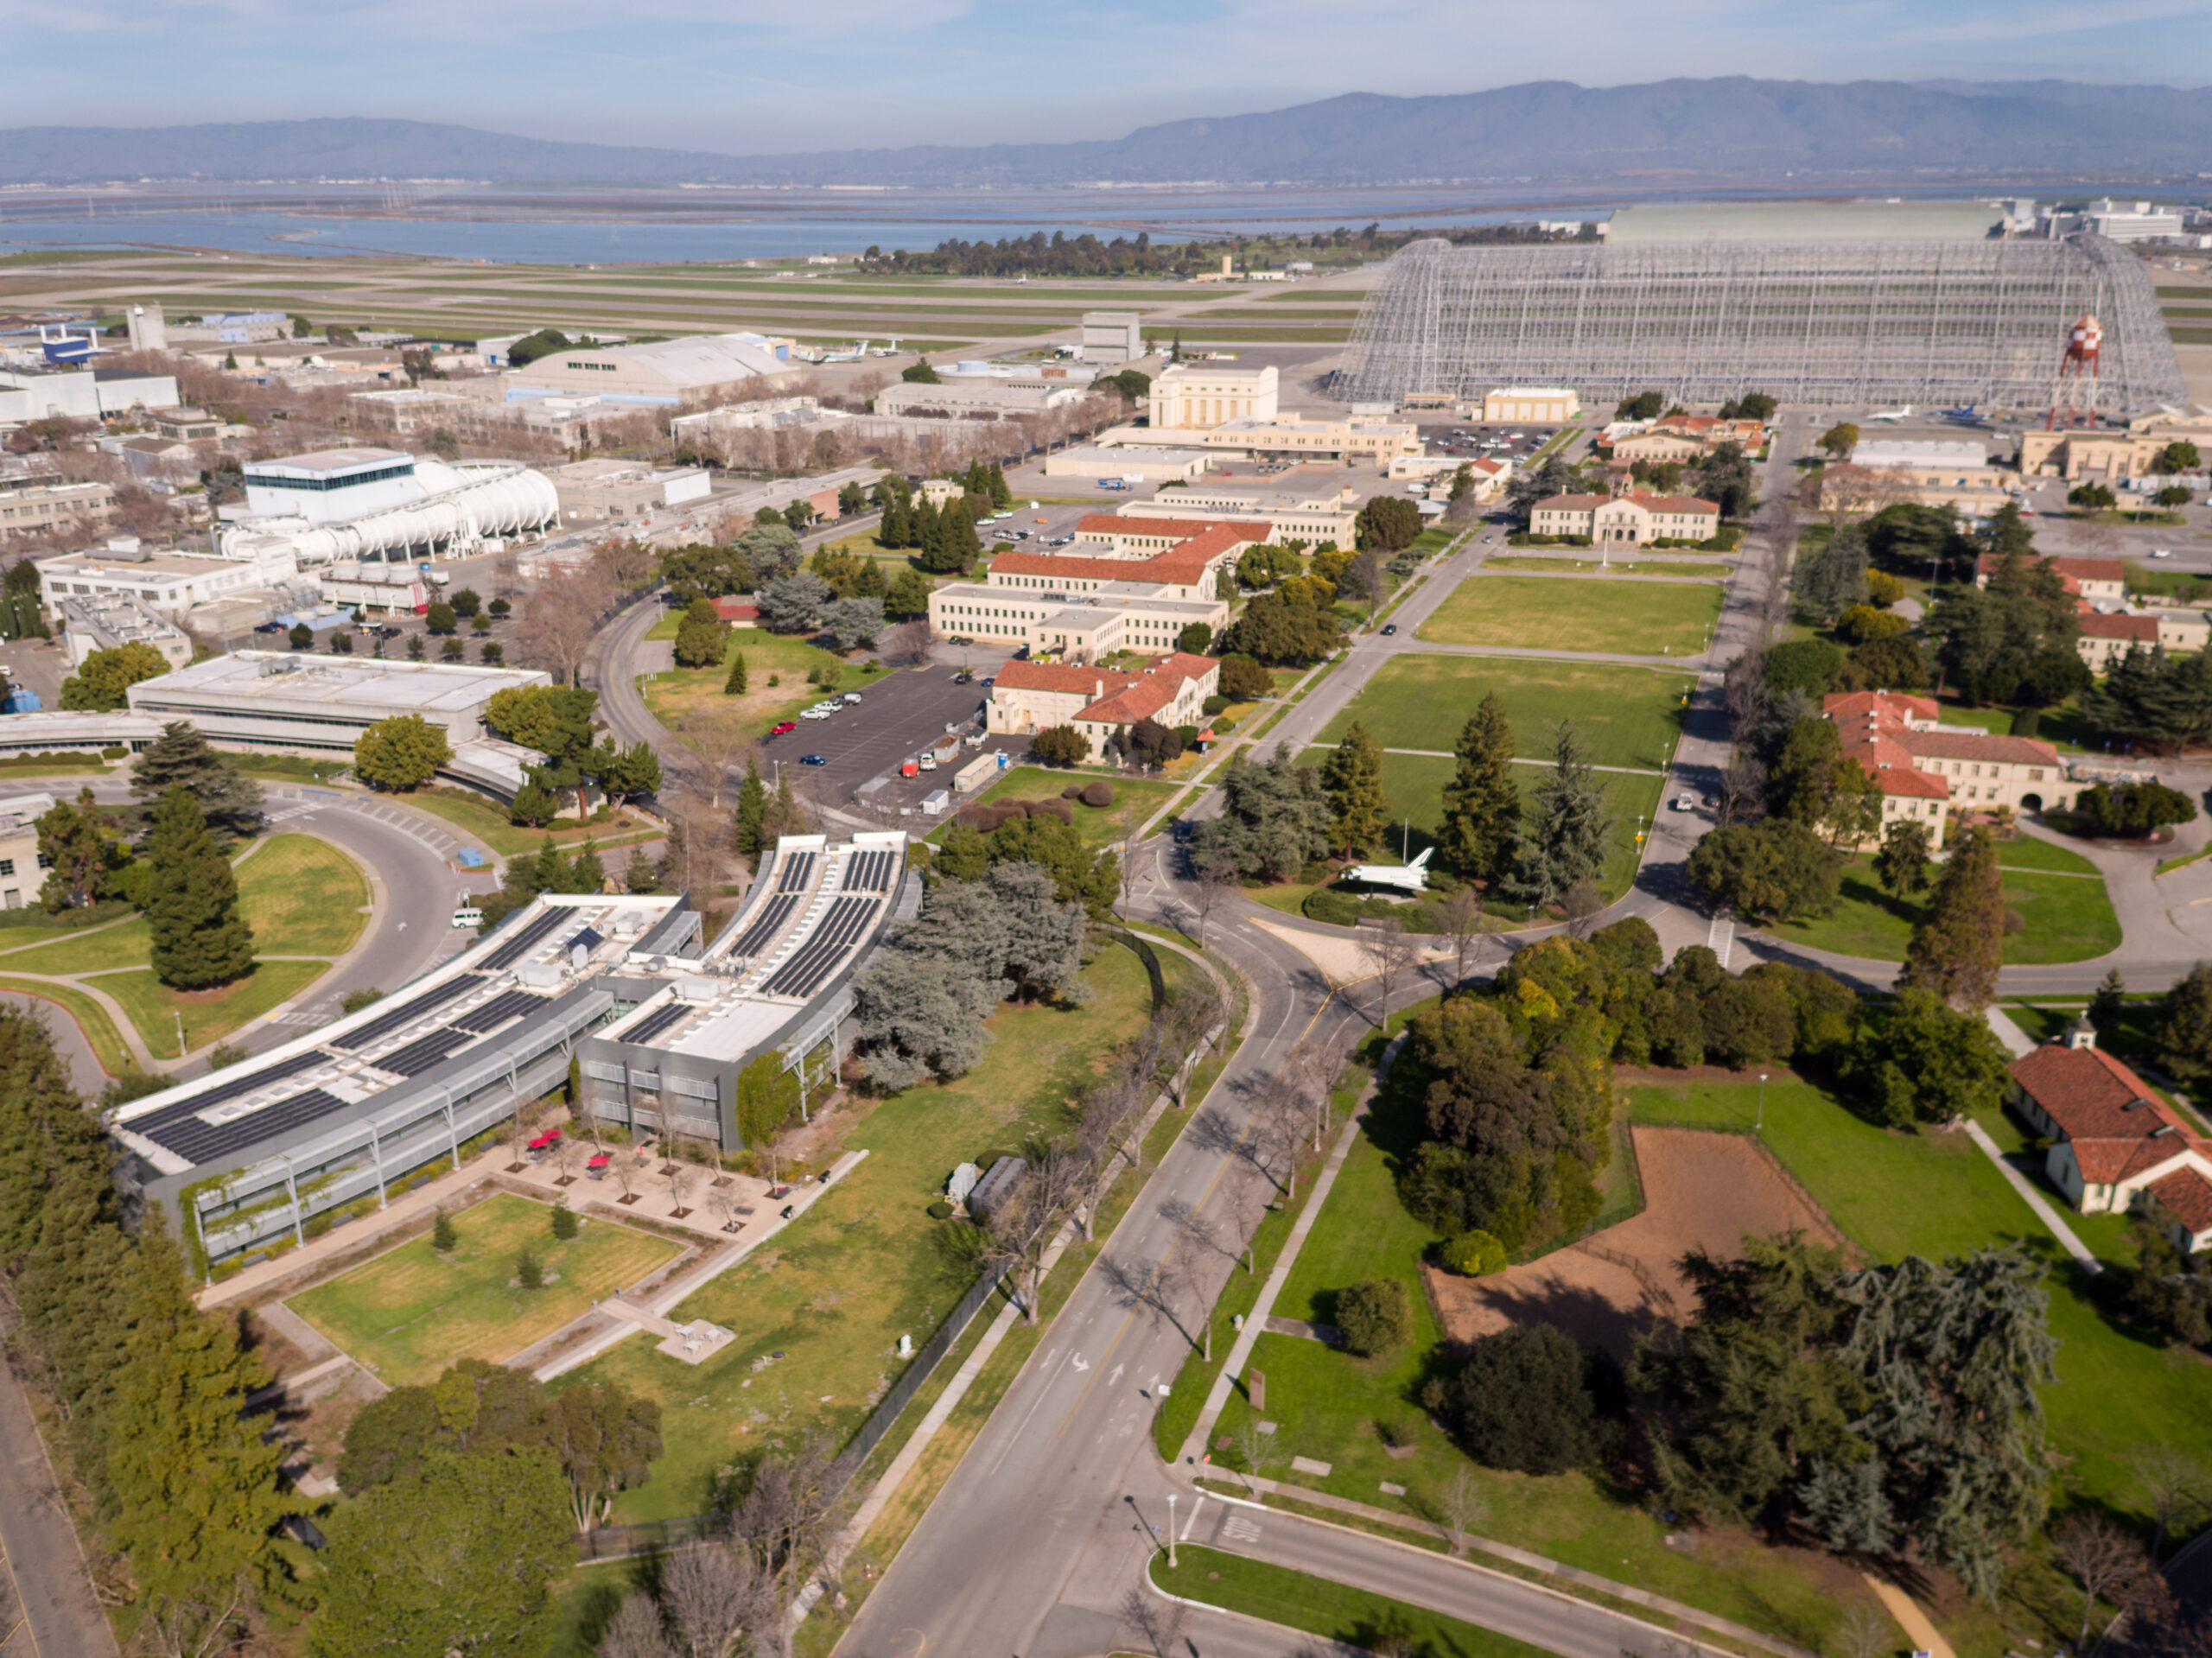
469, 917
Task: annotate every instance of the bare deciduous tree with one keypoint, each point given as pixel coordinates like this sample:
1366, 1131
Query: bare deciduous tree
1582, 904
566, 1151
678, 1177
1466, 923
1155, 1621
559, 620
1462, 1509
1215, 880
1389, 950
717, 739
1025, 1222
716, 1596
623, 564
2174, 1484
1258, 1451
788, 1514
1863, 1632
904, 645
2104, 1560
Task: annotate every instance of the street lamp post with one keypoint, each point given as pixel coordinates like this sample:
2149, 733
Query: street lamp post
1759, 1126
1171, 1531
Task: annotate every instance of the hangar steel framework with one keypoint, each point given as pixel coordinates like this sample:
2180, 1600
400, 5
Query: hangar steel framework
1925, 322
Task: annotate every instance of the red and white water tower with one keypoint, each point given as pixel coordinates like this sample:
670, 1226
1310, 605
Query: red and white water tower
2073, 399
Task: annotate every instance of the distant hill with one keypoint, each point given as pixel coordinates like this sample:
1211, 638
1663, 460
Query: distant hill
1668, 131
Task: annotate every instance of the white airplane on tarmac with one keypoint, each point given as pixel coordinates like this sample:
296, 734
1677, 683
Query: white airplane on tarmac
1407, 877
1904, 413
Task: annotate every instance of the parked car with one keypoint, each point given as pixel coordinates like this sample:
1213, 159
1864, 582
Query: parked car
1685, 802
814, 759
787, 726
2162, 552
269, 628
1389, 628
852, 699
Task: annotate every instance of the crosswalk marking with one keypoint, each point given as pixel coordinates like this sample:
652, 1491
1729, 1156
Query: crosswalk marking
1721, 938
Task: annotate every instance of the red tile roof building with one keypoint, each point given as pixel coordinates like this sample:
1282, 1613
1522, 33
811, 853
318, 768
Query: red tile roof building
2093, 579
1033, 696
2116, 1146
1925, 767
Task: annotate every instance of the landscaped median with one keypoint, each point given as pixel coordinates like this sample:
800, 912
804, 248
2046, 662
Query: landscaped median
1335, 1611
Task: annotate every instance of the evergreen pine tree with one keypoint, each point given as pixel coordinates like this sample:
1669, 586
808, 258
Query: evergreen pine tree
1482, 806
923, 532
752, 807
587, 875
528, 1273
739, 677
195, 1488
1001, 493
180, 758
549, 870
894, 532
564, 1221
1352, 776
1957, 948
782, 814
198, 938
639, 875
444, 1236
1566, 842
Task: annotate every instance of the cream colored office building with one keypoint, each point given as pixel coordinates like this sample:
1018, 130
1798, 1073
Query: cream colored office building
1533, 405
1197, 396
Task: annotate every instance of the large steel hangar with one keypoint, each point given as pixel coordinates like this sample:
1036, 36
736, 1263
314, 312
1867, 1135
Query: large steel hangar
1924, 321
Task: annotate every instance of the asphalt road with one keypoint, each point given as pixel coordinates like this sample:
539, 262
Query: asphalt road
45, 1567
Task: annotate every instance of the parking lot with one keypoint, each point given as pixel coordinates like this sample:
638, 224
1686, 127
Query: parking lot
898, 719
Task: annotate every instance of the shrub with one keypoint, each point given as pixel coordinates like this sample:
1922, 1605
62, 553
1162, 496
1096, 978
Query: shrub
1073, 791
564, 1221
1473, 1254
1098, 794
443, 1236
1216, 703
1373, 1317
1058, 809
2015, 922
940, 1210
353, 1000
528, 1272
114, 753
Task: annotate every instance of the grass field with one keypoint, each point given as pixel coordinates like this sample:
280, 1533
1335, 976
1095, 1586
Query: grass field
2069, 916
1134, 800
1933, 1194
681, 692
1414, 784
1626, 716
412, 1312
1578, 566
1335, 1611
1634, 618
2061, 726
868, 1264
208, 1015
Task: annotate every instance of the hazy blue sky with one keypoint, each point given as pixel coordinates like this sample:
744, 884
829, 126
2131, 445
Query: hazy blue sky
753, 75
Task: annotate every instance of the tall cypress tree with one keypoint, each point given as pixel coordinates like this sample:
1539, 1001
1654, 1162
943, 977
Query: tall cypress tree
1959, 943
1353, 780
752, 808
199, 938
740, 676
1566, 842
586, 874
1482, 807
1001, 493
180, 758
196, 1492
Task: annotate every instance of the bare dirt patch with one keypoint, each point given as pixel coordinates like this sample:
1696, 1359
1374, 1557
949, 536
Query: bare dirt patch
1702, 1190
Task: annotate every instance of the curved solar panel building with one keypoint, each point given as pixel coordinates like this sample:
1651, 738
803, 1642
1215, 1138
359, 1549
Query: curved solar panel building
1890, 321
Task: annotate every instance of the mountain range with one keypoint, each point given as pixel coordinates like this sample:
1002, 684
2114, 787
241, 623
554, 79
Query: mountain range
1686, 131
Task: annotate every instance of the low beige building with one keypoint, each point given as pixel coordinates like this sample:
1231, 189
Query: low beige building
36, 508
2115, 1145
1631, 520
2105, 455
1170, 690
1926, 768
1531, 405
1295, 508
1197, 396
21, 866
2107, 635
689, 371
608, 488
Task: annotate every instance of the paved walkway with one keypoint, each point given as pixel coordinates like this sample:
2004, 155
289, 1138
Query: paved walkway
1240, 1353
1909, 1618
51, 1587
2017, 1045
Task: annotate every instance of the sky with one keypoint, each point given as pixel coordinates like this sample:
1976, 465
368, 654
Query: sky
761, 76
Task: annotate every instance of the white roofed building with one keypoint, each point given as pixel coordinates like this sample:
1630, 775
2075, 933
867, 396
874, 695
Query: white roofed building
693, 370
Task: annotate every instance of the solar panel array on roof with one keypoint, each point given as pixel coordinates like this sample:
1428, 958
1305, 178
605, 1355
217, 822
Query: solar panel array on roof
757, 936
655, 1022
497, 1011
818, 958
403, 1015
424, 1052
512, 947
796, 873
589, 939
235, 1087
197, 1142
869, 872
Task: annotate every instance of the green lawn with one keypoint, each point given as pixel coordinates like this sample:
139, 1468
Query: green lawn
412, 1312
1625, 716
1335, 1611
1134, 800
2062, 726
866, 1264
209, 1015
1637, 618
1414, 784
489, 825
691, 691
1578, 566
1334, 1409
2069, 916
